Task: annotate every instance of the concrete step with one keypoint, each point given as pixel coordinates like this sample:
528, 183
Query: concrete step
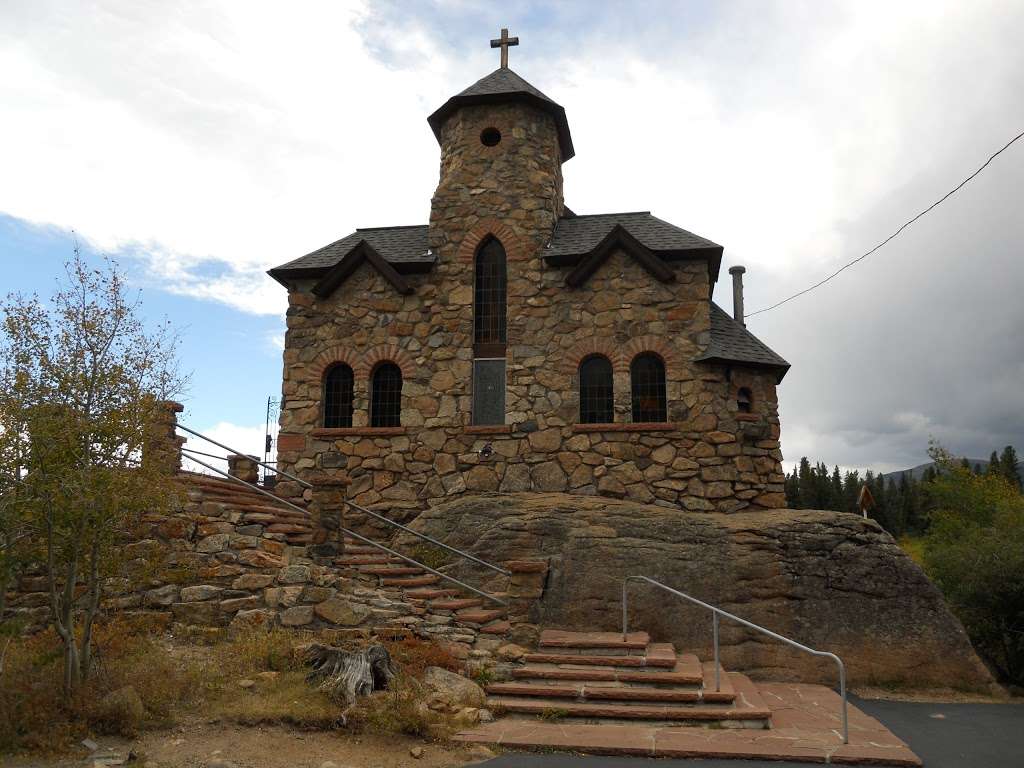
687, 672
600, 643
754, 716
583, 692
661, 655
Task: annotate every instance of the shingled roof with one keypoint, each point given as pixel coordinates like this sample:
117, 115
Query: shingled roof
504, 85
576, 236
404, 248
731, 342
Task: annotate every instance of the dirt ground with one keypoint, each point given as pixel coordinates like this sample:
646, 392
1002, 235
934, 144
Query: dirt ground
223, 745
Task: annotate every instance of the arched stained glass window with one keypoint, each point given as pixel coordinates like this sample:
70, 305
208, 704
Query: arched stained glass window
647, 374
338, 396
386, 396
490, 302
596, 391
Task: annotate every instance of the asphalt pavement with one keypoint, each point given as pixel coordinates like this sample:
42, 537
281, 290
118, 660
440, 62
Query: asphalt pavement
942, 735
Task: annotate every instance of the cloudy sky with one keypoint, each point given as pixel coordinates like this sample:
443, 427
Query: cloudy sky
201, 143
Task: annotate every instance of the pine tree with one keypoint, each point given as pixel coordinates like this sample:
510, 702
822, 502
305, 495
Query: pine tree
994, 467
1008, 467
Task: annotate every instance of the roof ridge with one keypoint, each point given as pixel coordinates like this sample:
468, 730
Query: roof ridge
396, 226
613, 213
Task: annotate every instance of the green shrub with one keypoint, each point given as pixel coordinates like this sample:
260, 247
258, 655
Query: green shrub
975, 553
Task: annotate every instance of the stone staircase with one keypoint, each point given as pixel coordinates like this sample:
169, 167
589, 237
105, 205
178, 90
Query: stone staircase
422, 589
599, 677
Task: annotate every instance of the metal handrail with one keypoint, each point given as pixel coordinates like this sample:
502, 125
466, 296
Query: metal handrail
355, 535
382, 518
715, 613
432, 540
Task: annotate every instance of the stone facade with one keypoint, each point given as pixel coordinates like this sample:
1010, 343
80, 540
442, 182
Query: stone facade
707, 456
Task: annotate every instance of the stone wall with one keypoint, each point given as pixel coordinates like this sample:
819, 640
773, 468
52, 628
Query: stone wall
706, 457
225, 558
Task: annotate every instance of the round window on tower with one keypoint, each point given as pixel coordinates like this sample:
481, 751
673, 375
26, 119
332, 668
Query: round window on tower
489, 137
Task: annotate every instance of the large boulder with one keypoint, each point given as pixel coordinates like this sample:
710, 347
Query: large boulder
830, 580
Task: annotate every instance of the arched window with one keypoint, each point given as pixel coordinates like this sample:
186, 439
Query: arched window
596, 391
386, 396
338, 396
647, 374
489, 309
744, 400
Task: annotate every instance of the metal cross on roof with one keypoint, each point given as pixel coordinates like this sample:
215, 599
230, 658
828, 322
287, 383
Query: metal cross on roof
504, 42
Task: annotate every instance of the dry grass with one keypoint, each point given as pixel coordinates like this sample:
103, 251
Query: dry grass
198, 674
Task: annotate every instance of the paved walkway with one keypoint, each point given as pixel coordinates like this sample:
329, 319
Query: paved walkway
805, 728
943, 735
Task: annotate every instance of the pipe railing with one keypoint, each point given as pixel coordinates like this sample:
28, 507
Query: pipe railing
364, 510
356, 536
715, 613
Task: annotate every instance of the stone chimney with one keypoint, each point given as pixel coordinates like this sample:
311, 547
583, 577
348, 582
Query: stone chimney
737, 293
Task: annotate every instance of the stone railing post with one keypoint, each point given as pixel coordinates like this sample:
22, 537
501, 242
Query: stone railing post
327, 509
525, 588
244, 468
162, 449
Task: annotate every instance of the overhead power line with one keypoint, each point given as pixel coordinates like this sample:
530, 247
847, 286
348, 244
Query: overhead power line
942, 199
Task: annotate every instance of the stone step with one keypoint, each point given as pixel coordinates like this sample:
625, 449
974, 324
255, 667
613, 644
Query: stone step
687, 672
756, 716
431, 594
500, 627
551, 639
583, 692
357, 560
725, 692
411, 581
388, 570
456, 604
657, 655
479, 615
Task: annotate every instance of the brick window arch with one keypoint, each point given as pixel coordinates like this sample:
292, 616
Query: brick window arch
386, 395
647, 381
490, 299
596, 390
337, 396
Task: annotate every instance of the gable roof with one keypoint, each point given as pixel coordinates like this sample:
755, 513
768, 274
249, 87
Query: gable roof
363, 252
578, 235
619, 238
404, 248
731, 342
504, 85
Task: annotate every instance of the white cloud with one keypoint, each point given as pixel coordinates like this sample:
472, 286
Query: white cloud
243, 439
223, 138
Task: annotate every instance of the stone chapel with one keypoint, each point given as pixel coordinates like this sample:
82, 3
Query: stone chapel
513, 345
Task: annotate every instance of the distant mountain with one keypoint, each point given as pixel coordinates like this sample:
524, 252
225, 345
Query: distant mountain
917, 472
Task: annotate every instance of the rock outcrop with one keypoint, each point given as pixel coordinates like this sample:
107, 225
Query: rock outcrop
830, 580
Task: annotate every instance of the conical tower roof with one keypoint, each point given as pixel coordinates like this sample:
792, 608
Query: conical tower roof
504, 85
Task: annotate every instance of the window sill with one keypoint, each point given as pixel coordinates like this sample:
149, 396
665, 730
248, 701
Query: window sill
357, 431
748, 417
648, 426
488, 429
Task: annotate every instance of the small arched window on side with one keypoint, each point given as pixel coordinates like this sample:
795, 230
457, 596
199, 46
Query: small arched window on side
386, 396
596, 391
647, 375
744, 400
337, 397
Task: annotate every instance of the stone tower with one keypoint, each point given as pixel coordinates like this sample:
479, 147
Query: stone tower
503, 143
